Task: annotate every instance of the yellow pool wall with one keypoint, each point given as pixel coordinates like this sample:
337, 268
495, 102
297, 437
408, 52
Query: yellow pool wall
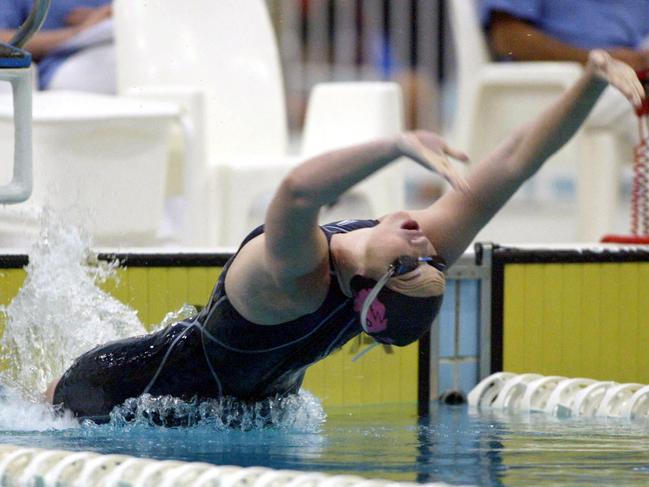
577, 320
385, 375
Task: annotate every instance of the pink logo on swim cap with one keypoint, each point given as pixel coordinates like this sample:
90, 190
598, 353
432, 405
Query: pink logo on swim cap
376, 319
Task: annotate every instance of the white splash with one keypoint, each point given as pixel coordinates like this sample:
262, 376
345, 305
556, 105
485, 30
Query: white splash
296, 412
18, 413
60, 312
185, 312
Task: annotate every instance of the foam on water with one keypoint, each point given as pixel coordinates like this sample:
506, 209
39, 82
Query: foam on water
61, 312
17, 413
301, 412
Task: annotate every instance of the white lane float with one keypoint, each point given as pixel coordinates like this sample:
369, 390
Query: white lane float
560, 396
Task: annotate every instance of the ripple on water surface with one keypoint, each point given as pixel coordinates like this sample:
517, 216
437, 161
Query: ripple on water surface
450, 445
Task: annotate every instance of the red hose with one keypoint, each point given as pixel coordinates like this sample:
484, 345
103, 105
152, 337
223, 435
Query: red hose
640, 186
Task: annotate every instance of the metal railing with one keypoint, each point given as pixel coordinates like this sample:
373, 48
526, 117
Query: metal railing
16, 70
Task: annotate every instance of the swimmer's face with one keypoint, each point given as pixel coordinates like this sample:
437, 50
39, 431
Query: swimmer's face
398, 234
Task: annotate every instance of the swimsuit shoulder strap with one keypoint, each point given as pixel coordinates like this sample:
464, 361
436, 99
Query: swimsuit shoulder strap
329, 229
346, 226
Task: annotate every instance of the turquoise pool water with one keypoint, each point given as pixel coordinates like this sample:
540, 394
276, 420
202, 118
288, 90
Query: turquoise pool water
61, 304
390, 442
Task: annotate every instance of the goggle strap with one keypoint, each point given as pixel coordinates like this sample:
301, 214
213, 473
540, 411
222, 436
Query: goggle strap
372, 296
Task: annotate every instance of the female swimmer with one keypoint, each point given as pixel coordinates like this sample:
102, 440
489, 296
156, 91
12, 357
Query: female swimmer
295, 291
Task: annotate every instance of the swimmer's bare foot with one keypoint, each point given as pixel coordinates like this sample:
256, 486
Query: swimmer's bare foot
49, 392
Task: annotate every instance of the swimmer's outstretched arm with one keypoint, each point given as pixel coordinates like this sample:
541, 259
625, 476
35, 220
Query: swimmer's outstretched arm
452, 222
288, 265
284, 273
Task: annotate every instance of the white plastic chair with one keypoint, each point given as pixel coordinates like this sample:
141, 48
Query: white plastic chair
342, 114
97, 162
494, 98
91, 70
225, 53
91, 67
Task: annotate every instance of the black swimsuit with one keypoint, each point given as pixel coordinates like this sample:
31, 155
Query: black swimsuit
247, 361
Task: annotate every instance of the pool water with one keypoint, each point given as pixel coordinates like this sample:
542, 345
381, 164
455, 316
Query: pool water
61, 303
451, 445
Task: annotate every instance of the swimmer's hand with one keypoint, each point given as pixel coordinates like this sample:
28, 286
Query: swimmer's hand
430, 151
616, 73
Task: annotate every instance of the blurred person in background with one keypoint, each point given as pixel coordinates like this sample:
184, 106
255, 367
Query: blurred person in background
74, 48
566, 30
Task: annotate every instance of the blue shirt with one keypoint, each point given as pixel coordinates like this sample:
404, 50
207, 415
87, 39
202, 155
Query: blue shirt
14, 12
588, 24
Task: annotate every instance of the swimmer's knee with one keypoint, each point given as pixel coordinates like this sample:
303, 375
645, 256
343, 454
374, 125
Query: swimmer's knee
49, 392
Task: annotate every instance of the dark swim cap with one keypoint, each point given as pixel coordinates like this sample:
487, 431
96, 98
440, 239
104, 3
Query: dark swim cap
394, 318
